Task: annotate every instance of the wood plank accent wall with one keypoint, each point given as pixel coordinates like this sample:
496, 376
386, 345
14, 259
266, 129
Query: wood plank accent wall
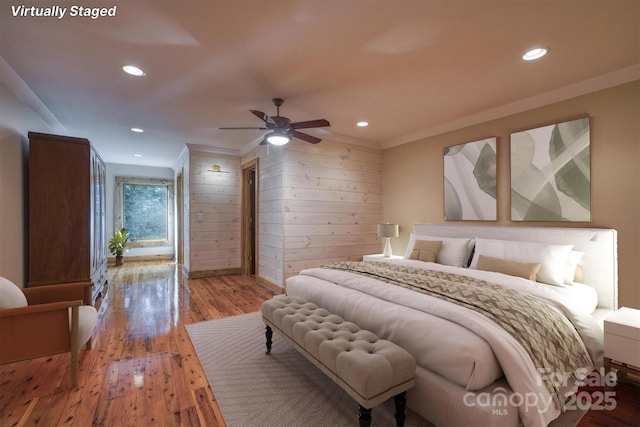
270, 212
332, 203
214, 241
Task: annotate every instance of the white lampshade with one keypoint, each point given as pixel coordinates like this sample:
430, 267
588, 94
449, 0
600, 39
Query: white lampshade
387, 230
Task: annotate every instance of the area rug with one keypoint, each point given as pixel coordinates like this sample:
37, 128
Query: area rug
283, 388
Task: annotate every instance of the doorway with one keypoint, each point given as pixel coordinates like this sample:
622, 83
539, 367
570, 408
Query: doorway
250, 218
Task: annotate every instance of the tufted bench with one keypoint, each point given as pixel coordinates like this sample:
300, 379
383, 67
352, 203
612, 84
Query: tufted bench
370, 369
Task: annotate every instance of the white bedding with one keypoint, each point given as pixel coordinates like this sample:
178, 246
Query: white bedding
459, 354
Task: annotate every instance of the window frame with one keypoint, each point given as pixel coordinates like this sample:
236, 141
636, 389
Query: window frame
119, 209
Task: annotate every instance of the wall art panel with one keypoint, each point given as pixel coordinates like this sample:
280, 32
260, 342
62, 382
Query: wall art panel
550, 173
470, 181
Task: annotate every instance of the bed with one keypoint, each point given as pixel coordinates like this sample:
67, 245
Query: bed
471, 372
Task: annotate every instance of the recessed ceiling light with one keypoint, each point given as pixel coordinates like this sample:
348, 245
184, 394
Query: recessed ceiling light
535, 53
137, 155
362, 124
133, 70
137, 130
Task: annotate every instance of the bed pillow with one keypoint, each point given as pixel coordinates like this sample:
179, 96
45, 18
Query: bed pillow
552, 257
426, 250
572, 273
454, 251
512, 268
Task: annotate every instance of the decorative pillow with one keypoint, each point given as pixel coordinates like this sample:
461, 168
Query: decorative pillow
10, 295
552, 257
454, 251
426, 250
578, 276
512, 268
571, 269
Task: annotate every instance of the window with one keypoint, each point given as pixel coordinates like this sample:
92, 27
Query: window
144, 206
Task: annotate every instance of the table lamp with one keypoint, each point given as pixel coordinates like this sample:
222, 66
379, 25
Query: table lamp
387, 231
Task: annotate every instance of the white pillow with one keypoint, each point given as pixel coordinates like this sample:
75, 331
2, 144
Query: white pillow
572, 264
454, 251
10, 295
552, 257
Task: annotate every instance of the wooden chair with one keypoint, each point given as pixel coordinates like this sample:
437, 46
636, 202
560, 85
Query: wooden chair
45, 320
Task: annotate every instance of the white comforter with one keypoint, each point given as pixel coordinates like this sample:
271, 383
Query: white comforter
458, 344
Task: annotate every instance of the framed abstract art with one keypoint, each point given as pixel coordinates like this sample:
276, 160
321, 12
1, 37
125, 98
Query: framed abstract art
551, 173
470, 181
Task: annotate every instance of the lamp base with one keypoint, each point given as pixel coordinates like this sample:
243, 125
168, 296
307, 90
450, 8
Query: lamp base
387, 247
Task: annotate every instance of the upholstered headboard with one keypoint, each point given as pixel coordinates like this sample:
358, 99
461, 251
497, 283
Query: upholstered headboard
599, 263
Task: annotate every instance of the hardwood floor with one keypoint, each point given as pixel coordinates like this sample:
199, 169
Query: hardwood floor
142, 369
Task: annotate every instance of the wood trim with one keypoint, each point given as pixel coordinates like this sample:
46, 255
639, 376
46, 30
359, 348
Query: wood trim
273, 287
212, 273
75, 349
118, 207
247, 269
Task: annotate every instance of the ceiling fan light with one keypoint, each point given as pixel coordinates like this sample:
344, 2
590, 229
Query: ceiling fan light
278, 138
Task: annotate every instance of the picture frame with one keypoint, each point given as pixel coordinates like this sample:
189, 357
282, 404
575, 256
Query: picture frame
551, 172
470, 181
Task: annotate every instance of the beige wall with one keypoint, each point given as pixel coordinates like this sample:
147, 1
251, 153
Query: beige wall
16, 120
413, 183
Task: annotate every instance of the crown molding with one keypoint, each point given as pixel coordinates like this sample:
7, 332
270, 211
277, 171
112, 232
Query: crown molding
605, 81
347, 139
24, 93
213, 150
250, 146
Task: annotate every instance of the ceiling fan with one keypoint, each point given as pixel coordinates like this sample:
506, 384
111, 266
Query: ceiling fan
282, 128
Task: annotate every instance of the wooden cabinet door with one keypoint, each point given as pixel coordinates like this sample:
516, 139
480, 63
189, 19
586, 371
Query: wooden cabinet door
59, 207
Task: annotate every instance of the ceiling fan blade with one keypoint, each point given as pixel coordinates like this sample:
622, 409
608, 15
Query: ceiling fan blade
320, 123
245, 128
305, 137
262, 116
264, 141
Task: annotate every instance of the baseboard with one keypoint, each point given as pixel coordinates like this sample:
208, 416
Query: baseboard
111, 261
273, 287
211, 273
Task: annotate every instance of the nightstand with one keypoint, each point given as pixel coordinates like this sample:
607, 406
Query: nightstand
622, 341
380, 257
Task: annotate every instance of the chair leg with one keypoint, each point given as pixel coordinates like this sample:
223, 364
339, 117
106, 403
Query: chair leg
75, 347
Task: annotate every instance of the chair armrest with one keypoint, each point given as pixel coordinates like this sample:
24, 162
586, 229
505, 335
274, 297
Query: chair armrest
39, 330
39, 308
61, 292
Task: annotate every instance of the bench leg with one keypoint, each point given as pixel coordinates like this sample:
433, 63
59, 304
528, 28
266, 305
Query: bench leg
365, 416
401, 402
269, 334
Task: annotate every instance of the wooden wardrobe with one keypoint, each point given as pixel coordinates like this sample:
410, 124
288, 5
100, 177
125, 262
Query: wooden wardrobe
67, 212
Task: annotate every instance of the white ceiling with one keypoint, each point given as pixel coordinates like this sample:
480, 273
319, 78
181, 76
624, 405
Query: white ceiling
411, 68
